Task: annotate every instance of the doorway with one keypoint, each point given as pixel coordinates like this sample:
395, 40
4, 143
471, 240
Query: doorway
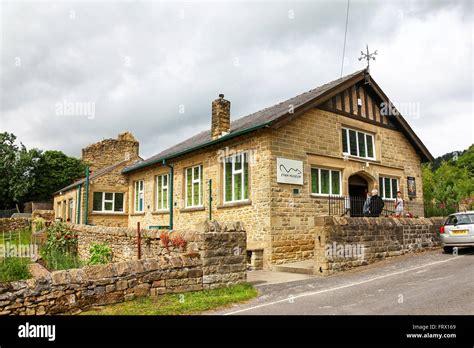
358, 188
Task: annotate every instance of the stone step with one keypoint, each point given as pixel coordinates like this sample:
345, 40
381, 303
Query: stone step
302, 267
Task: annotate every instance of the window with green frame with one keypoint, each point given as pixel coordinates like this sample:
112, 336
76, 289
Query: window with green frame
194, 186
162, 192
388, 187
325, 181
139, 201
236, 178
107, 201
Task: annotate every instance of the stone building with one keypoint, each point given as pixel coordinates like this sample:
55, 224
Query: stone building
276, 169
107, 194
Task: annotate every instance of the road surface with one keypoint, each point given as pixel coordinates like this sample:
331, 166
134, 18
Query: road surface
426, 283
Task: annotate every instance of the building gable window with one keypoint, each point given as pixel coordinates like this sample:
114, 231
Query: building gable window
325, 181
236, 178
107, 202
162, 192
357, 144
193, 186
388, 187
139, 201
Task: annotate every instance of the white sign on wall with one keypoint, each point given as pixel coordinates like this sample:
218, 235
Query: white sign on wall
289, 171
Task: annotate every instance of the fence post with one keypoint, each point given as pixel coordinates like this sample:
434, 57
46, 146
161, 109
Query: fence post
139, 241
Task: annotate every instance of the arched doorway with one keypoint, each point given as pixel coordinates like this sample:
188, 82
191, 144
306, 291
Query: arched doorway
358, 188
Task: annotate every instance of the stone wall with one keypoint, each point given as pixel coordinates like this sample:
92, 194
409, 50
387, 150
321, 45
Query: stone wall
124, 244
218, 261
344, 242
71, 291
48, 215
12, 224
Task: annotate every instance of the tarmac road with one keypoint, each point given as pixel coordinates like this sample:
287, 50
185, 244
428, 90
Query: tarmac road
426, 283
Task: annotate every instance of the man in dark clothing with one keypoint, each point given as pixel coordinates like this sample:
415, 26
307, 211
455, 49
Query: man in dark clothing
376, 204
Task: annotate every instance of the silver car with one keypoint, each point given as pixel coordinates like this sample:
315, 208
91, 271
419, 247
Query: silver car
457, 231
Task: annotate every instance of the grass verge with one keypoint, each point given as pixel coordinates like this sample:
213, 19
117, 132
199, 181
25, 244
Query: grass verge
14, 268
179, 304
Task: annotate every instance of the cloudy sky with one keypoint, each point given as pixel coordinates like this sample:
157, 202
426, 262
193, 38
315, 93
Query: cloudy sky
153, 68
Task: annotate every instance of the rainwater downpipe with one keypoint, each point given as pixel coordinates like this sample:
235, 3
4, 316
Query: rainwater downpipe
78, 218
171, 192
86, 218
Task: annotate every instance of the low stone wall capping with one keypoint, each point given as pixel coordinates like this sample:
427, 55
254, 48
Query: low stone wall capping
379, 237
219, 260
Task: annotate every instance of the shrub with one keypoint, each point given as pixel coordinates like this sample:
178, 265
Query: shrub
60, 248
14, 268
38, 224
60, 238
99, 254
179, 242
165, 240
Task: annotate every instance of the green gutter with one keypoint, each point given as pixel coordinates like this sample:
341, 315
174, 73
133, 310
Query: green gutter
212, 142
86, 210
78, 218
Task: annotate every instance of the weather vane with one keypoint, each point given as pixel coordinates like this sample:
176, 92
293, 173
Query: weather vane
368, 56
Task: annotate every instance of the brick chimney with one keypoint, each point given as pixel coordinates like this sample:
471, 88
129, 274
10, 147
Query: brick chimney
220, 117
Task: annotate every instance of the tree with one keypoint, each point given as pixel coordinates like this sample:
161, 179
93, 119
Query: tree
32, 174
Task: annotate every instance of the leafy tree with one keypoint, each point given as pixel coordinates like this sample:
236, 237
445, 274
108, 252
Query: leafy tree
32, 174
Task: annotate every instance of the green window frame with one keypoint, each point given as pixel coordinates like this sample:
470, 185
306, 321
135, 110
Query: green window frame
162, 192
236, 178
193, 186
109, 202
326, 182
358, 144
139, 196
388, 187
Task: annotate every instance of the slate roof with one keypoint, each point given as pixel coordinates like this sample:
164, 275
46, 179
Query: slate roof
259, 118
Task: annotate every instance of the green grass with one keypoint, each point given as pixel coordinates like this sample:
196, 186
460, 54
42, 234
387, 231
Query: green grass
21, 235
179, 304
58, 260
14, 268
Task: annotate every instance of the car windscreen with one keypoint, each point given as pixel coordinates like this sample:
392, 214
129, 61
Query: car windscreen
461, 219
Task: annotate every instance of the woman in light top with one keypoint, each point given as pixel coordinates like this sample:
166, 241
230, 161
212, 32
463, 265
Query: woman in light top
399, 203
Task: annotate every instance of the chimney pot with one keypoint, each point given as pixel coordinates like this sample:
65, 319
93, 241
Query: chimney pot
221, 95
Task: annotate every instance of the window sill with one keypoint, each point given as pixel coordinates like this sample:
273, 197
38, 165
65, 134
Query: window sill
316, 195
160, 212
235, 204
360, 159
138, 214
120, 213
191, 209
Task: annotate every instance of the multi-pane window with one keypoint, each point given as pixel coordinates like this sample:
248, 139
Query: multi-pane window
139, 196
194, 186
107, 201
358, 144
325, 181
236, 178
388, 187
162, 192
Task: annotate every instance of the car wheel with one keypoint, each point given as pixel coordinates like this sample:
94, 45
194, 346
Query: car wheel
448, 249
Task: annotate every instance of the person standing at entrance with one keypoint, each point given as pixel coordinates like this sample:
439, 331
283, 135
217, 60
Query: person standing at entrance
399, 204
376, 204
365, 209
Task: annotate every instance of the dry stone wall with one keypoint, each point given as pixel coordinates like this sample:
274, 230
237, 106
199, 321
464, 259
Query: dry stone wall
345, 242
215, 257
12, 224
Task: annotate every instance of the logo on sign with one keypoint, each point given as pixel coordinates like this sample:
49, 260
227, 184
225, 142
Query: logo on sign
289, 171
